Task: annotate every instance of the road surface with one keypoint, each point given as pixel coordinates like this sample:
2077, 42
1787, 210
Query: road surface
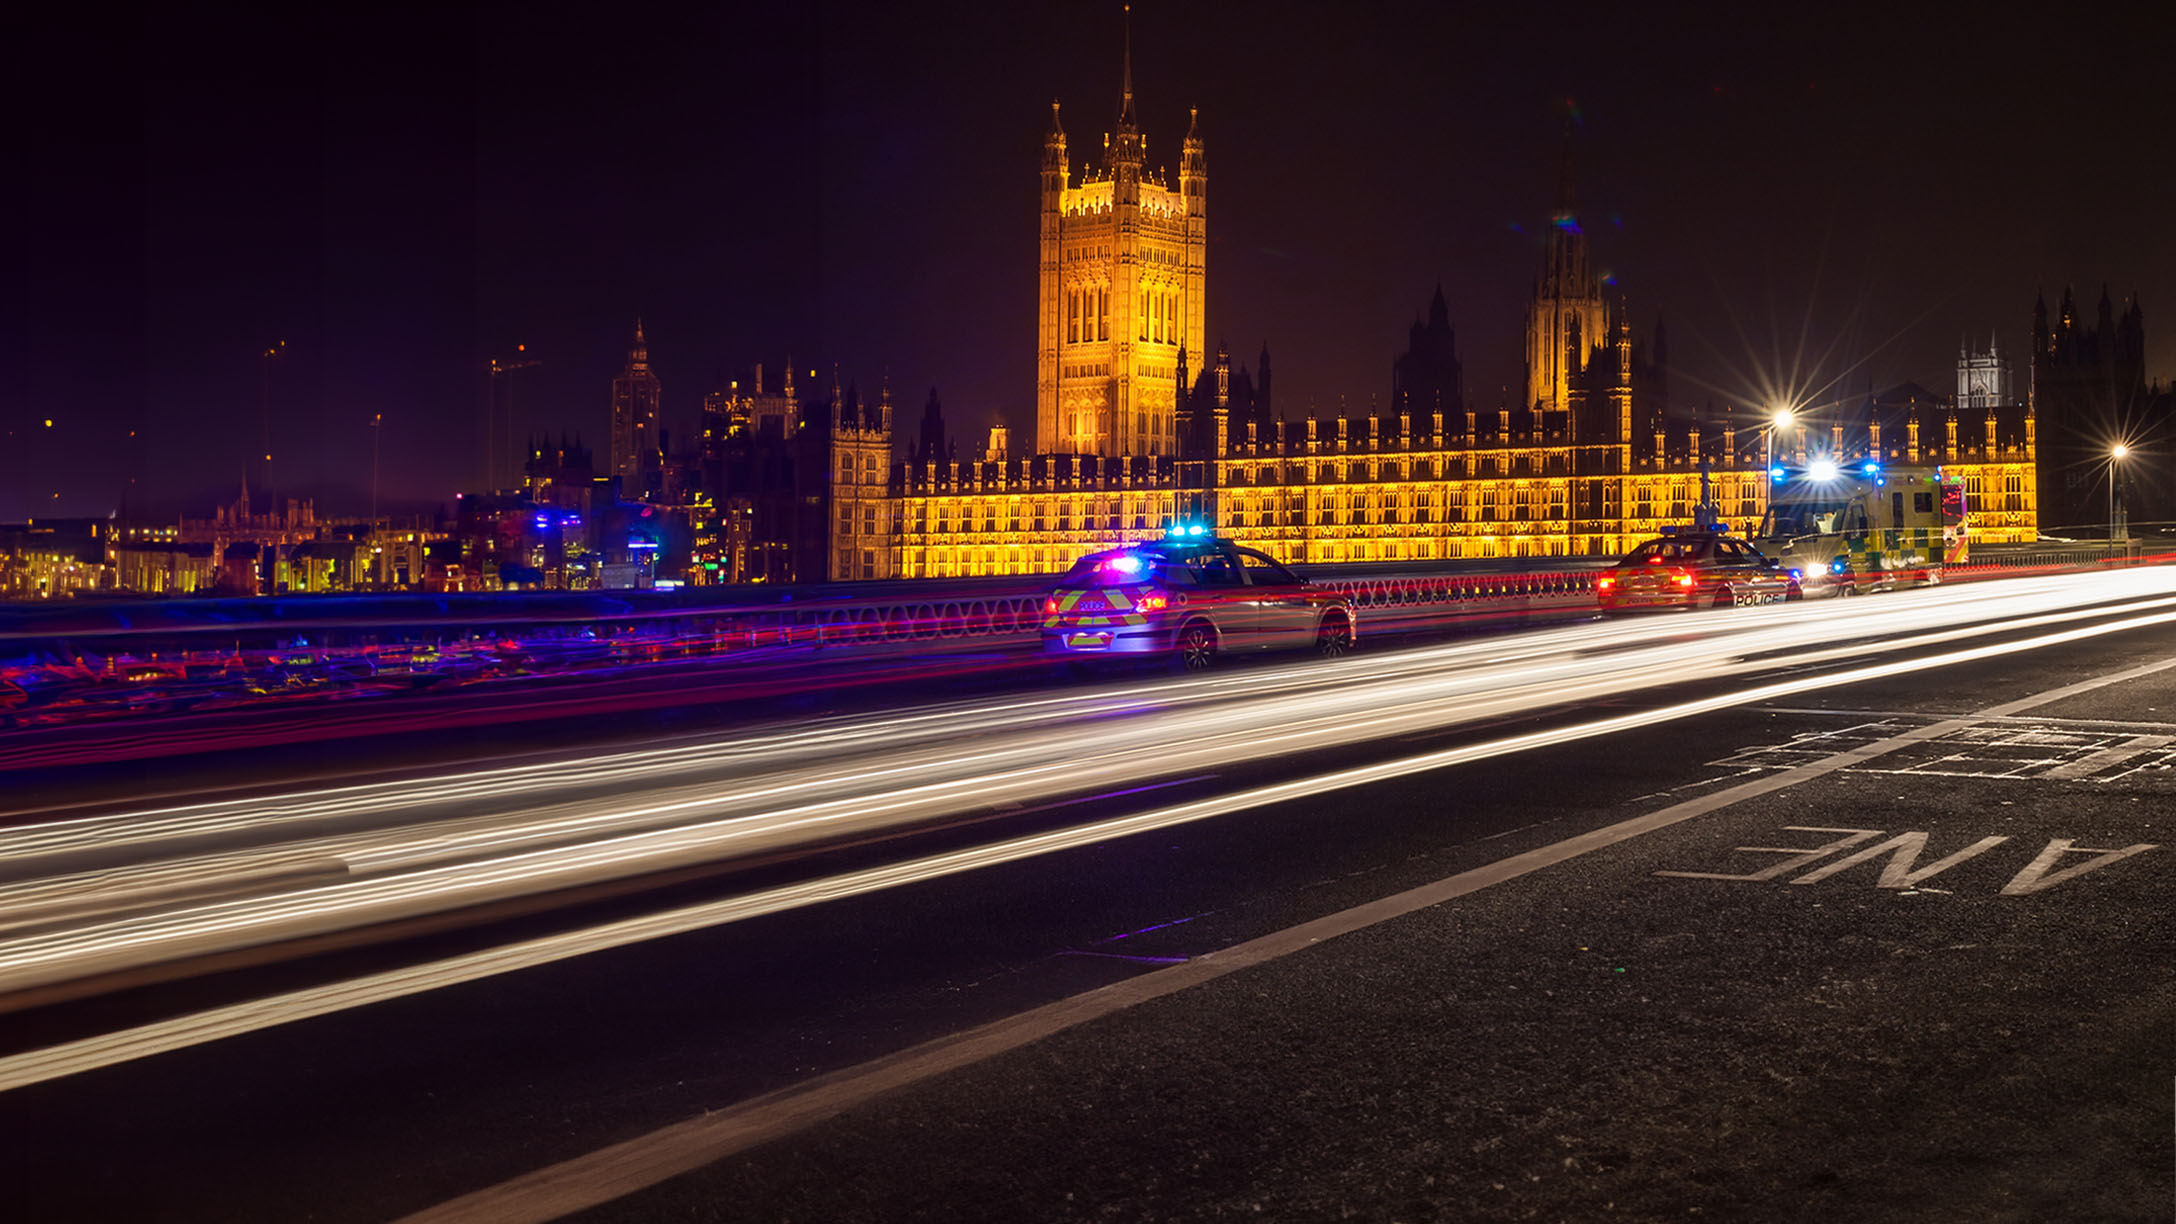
1807, 912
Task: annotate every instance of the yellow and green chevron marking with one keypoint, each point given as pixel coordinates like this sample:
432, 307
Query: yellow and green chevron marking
1120, 610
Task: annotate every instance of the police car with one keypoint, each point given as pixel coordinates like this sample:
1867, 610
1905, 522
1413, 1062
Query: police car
1699, 569
1189, 597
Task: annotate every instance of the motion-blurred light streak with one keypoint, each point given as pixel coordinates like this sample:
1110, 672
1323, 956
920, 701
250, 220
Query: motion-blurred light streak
106, 1049
102, 895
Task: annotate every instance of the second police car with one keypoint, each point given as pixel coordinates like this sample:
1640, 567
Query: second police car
1694, 569
1189, 597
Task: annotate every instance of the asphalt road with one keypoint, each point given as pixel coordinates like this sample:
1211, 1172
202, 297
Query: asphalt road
1436, 996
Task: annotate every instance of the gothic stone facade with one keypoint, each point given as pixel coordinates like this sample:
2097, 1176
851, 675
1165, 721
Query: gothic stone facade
1594, 460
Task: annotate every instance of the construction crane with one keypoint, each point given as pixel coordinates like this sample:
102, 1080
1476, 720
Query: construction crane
499, 366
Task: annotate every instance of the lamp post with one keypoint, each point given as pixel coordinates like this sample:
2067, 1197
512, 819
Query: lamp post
2115, 456
1781, 420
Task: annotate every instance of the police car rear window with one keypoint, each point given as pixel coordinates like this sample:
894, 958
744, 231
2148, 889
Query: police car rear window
1666, 552
1125, 569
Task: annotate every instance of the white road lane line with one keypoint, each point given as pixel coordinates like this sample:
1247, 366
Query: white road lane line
196, 1028
637, 1164
181, 1032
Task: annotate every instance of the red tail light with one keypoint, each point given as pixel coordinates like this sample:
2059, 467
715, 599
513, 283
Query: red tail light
1050, 606
1603, 584
1684, 579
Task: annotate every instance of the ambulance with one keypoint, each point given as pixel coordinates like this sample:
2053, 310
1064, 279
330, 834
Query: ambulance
1849, 529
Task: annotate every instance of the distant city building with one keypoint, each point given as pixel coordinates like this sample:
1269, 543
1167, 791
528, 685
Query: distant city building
164, 567
238, 531
637, 450
48, 558
1983, 379
795, 492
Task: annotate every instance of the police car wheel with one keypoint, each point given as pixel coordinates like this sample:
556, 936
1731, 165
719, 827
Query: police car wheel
1197, 647
1334, 639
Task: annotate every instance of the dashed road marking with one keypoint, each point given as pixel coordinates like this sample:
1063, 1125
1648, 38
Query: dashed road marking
2109, 758
2005, 749
639, 1163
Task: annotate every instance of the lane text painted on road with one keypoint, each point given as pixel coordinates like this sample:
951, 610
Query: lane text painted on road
1904, 850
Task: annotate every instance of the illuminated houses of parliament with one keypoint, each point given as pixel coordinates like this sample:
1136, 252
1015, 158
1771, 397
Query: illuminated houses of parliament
1588, 466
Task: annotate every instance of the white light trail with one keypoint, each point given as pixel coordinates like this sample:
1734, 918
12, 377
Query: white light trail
180, 1032
107, 894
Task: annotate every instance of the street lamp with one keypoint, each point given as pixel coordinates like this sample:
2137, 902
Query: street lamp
2115, 456
1780, 421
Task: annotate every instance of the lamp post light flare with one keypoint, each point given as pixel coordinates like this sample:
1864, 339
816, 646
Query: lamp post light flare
1780, 420
2116, 455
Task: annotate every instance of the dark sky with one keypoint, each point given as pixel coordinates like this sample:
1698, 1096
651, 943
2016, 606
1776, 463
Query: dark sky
400, 198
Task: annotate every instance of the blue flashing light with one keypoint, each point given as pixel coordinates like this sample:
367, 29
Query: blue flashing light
1872, 469
1177, 529
1841, 565
1776, 474
1798, 573
1125, 563
1197, 530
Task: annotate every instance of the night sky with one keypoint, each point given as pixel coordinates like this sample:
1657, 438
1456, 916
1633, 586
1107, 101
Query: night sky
402, 198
